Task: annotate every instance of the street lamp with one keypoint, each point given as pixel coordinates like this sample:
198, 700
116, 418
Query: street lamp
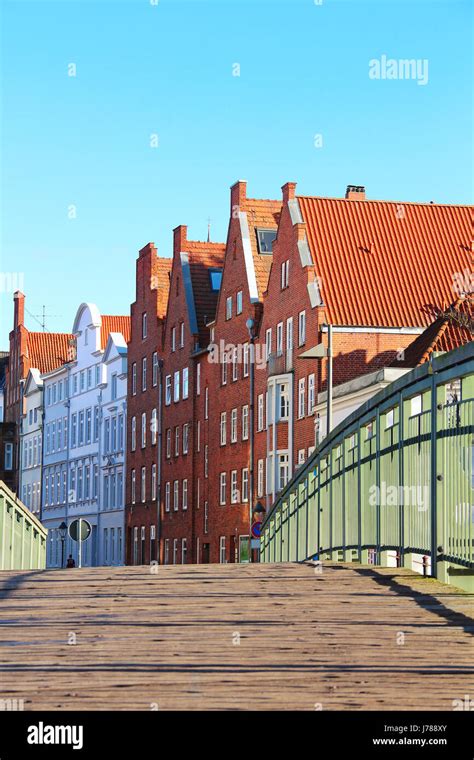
62, 534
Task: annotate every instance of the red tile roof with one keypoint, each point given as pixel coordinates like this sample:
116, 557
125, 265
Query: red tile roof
48, 351
202, 258
383, 263
261, 214
454, 327
114, 324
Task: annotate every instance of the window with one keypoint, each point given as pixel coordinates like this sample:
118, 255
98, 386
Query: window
198, 379
185, 382
215, 276
173, 339
107, 436
168, 443
245, 422
283, 401
185, 438
81, 428
223, 428
176, 495
96, 423
245, 484
301, 456
8, 462
167, 551
176, 387
311, 394
260, 403
155, 369
234, 494
206, 517
268, 343
280, 338
154, 427
144, 373
153, 482
222, 488
285, 270
301, 328
88, 427
175, 551
235, 364
83, 380
246, 359
265, 240
144, 325
184, 551
233, 426
143, 485
389, 419
228, 307
238, 306
113, 388
222, 549
133, 430
143, 437
167, 496
176, 441
198, 435
301, 397
224, 369
206, 403
283, 471
181, 335
206, 460
260, 477
168, 390
134, 379
185, 494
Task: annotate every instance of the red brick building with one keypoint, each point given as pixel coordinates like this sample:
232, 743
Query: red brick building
234, 431
194, 288
142, 490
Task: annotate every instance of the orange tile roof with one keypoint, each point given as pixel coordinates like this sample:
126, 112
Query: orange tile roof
114, 324
261, 214
48, 351
454, 327
202, 258
382, 263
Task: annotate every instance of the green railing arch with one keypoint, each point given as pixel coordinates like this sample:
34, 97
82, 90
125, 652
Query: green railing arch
393, 483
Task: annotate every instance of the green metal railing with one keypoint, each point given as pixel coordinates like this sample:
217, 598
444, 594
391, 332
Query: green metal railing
393, 482
22, 536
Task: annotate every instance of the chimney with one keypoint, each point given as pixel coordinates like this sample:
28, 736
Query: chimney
19, 309
180, 236
238, 196
355, 193
288, 191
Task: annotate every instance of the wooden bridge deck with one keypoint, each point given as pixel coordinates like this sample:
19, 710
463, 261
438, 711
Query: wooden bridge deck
234, 637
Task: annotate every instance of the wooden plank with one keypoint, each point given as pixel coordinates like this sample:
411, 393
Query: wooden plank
234, 637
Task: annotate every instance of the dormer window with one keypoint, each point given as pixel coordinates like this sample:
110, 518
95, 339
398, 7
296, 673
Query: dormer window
215, 276
265, 240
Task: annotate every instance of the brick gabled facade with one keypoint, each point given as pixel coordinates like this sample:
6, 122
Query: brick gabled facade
245, 277
195, 278
148, 314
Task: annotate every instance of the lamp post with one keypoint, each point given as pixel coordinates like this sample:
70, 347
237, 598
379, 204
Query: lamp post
62, 534
250, 325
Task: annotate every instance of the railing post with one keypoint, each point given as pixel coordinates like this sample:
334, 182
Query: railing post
378, 490
359, 494
434, 475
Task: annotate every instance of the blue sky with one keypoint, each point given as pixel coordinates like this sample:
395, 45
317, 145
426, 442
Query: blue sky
167, 69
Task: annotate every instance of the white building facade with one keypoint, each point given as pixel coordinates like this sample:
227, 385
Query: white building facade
85, 478
31, 443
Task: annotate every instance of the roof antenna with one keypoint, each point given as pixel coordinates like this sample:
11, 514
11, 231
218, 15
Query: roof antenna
208, 229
